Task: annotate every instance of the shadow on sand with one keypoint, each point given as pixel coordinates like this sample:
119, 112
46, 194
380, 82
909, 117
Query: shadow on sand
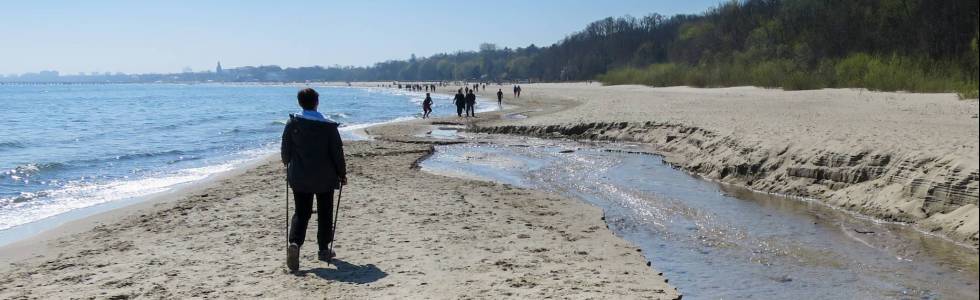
347, 272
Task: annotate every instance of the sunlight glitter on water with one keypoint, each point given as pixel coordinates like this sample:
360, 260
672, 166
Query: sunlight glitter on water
715, 241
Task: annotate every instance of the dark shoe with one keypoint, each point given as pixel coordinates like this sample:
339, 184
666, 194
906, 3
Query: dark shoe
292, 257
326, 255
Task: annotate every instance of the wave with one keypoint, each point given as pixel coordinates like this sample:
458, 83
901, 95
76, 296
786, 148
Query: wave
29, 207
239, 130
183, 159
338, 116
35, 169
356, 126
349, 130
191, 122
148, 154
11, 145
181, 155
31, 169
21, 198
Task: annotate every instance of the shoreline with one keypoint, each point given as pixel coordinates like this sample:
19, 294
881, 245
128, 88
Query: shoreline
45, 228
571, 253
396, 239
24, 247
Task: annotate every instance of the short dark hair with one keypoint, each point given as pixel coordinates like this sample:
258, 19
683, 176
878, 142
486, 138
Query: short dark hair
308, 98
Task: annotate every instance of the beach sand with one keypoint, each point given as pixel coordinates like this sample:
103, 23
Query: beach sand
403, 233
408, 234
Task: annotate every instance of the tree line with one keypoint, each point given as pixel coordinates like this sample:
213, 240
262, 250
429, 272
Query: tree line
913, 45
917, 45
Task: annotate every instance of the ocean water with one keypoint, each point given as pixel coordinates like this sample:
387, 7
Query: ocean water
65, 148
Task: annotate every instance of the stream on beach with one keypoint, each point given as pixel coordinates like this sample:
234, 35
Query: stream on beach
713, 240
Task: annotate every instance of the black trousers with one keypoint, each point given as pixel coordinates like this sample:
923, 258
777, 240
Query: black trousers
459, 109
301, 218
470, 110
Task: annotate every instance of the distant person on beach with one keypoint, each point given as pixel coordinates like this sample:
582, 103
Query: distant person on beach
500, 97
426, 106
515, 91
314, 157
460, 102
518, 91
470, 104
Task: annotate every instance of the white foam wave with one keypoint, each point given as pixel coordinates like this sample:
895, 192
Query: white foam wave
351, 131
79, 194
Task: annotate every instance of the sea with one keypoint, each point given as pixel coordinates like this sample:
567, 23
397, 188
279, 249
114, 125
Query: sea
69, 151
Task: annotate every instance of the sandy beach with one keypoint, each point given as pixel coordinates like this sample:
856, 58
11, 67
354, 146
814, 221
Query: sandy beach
798, 149
405, 233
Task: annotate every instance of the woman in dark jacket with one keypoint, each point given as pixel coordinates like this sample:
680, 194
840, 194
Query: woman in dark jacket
314, 156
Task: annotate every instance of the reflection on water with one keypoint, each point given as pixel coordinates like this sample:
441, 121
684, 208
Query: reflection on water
716, 241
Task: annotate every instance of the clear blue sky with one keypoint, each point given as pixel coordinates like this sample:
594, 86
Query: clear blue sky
166, 36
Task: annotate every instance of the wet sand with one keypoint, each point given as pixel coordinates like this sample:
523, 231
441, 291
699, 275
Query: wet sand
403, 233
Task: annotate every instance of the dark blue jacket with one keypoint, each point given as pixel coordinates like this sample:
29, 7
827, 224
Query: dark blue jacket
313, 154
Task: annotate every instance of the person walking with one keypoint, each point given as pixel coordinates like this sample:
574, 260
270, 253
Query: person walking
314, 157
500, 97
470, 104
460, 102
426, 105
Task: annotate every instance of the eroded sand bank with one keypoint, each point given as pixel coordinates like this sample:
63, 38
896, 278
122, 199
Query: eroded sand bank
894, 156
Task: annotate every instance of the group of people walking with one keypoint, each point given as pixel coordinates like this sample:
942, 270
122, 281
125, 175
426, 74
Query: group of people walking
420, 87
465, 102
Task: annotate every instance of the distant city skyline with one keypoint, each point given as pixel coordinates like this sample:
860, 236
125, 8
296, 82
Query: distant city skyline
168, 37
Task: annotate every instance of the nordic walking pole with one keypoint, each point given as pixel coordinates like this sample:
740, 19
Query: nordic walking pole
287, 212
336, 215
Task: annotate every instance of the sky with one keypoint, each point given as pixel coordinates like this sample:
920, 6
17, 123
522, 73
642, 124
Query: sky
167, 36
